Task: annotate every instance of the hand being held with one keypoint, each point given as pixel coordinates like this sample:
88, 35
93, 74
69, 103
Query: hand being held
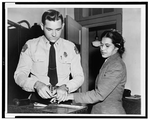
70, 96
62, 92
43, 90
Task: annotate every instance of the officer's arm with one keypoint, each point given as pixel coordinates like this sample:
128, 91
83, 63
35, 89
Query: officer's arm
76, 71
22, 72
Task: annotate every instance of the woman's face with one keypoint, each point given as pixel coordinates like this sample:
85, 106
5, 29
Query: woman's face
107, 48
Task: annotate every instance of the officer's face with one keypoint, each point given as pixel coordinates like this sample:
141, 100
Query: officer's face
107, 48
52, 30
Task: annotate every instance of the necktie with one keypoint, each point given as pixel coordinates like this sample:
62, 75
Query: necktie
52, 71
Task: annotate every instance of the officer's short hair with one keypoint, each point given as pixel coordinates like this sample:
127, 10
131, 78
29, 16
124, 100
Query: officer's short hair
51, 15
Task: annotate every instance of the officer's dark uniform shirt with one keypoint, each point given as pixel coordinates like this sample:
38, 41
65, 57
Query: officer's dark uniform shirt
34, 59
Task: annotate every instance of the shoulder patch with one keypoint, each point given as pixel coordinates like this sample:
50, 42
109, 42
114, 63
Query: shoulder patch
25, 47
76, 50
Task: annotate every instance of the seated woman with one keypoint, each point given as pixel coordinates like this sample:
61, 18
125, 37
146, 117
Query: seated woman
110, 82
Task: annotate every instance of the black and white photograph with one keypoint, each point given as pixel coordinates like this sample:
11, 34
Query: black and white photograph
74, 59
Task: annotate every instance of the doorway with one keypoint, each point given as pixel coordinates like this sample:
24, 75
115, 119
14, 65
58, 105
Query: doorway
95, 59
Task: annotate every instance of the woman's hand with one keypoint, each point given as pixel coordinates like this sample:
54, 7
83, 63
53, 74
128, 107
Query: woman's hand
70, 96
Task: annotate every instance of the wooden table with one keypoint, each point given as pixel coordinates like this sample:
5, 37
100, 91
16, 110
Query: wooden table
51, 108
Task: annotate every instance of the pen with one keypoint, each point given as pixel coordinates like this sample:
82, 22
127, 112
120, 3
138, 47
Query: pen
39, 104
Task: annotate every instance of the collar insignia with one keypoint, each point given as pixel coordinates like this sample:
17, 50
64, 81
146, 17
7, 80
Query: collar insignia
25, 47
76, 50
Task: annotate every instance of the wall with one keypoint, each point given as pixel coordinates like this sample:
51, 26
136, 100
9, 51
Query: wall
131, 30
33, 15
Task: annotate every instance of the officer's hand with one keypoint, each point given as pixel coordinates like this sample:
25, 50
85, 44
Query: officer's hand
43, 90
62, 93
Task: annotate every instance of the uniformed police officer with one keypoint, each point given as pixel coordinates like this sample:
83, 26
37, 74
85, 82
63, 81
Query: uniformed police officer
32, 69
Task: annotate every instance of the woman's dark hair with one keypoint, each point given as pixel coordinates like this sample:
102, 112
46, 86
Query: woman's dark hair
116, 38
51, 15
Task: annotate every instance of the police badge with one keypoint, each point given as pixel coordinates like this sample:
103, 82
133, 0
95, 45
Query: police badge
65, 54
